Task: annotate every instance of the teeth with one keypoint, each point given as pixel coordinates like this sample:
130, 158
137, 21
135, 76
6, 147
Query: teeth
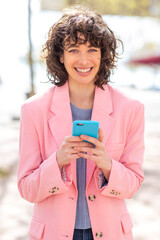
83, 70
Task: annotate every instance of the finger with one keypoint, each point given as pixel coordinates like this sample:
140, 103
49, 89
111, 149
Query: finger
88, 156
73, 156
92, 140
71, 139
100, 135
86, 150
84, 144
79, 144
73, 151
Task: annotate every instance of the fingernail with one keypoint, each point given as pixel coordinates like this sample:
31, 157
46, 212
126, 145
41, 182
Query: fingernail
82, 136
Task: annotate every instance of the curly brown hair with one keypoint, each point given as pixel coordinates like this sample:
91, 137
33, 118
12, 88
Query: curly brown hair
94, 30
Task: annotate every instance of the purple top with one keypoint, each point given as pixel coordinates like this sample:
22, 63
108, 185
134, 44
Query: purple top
82, 213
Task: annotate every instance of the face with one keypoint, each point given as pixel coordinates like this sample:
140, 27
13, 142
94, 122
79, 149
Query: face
82, 62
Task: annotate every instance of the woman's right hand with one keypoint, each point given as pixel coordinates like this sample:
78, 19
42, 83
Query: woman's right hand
67, 153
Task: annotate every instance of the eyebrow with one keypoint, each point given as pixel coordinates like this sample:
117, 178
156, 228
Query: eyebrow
72, 45
77, 45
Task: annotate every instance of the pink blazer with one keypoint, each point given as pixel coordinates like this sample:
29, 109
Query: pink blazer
45, 120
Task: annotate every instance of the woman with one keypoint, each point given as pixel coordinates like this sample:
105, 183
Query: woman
78, 190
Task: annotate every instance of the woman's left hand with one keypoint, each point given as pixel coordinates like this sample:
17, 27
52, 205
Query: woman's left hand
98, 154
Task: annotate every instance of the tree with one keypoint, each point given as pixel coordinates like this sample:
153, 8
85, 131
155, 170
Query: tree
32, 91
117, 7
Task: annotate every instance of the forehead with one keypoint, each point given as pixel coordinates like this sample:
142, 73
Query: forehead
78, 40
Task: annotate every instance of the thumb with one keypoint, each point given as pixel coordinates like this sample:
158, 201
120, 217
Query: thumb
100, 135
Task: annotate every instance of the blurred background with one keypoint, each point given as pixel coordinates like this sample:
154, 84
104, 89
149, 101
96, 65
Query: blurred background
24, 25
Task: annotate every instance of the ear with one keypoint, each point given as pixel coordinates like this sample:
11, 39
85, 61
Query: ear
61, 59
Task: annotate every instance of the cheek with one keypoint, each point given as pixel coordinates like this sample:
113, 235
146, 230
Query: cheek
68, 67
98, 60
68, 62
98, 63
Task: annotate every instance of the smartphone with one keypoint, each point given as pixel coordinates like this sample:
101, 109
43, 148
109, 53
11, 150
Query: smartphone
85, 127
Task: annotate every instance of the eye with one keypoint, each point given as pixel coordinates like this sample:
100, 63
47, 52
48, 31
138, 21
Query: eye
73, 50
93, 50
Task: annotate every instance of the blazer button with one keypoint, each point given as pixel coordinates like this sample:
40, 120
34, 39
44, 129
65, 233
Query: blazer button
112, 192
99, 234
53, 190
92, 197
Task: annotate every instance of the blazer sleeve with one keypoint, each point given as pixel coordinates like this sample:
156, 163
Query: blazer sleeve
127, 175
37, 179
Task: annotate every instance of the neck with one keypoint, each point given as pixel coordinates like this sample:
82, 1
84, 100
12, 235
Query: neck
82, 96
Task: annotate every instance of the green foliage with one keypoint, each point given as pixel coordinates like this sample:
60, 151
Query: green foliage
117, 7
3, 173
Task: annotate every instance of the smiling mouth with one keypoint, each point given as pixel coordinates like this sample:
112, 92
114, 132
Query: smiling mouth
83, 70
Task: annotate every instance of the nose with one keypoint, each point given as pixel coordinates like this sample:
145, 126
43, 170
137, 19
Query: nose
83, 58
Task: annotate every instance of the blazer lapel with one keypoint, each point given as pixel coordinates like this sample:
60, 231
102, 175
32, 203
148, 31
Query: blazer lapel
102, 109
60, 119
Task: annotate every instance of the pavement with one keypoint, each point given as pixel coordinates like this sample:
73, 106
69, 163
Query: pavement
144, 207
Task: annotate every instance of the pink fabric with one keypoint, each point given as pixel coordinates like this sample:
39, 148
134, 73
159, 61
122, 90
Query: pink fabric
100, 176
42, 131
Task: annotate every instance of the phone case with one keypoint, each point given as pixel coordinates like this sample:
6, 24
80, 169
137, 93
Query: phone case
85, 127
